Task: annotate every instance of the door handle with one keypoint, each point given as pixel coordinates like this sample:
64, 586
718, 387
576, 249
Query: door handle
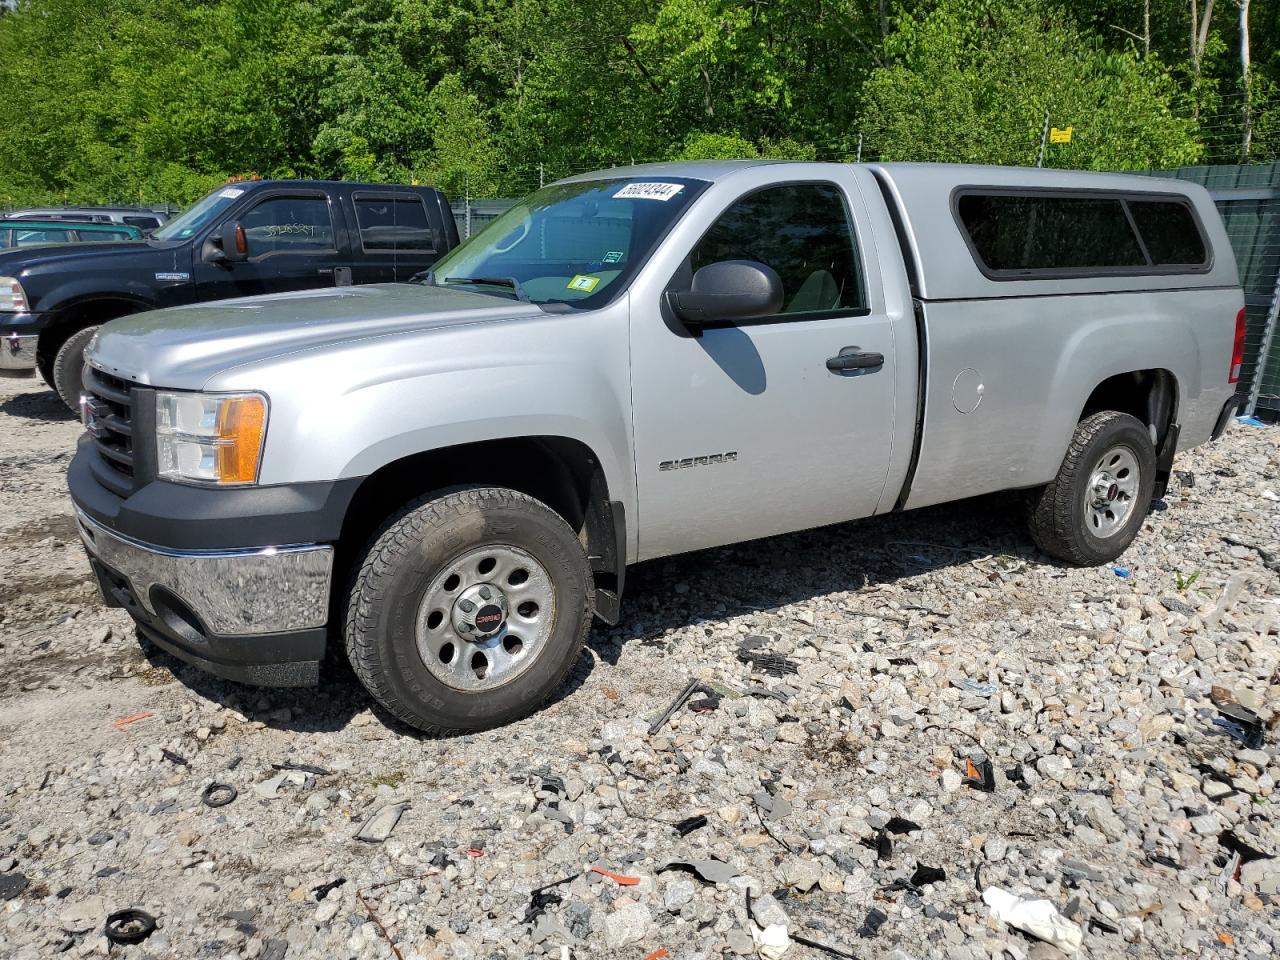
852, 358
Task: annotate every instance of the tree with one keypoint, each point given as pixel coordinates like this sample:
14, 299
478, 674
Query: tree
970, 81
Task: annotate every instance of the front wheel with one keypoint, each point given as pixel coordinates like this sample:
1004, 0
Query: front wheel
68, 367
469, 610
1091, 511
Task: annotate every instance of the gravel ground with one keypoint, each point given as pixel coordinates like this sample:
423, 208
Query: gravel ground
910, 649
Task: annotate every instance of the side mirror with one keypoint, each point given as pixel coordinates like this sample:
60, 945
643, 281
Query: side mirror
729, 290
235, 245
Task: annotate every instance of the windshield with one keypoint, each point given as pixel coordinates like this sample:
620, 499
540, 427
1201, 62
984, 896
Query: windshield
575, 243
204, 211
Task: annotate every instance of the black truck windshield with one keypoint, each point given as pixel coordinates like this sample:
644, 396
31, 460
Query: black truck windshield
202, 212
576, 243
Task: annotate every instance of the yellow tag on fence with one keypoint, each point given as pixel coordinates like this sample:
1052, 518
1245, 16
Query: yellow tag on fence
1060, 136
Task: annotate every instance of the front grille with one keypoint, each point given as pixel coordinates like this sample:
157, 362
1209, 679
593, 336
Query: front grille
110, 422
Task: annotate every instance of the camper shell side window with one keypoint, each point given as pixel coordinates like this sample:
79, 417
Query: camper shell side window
1039, 234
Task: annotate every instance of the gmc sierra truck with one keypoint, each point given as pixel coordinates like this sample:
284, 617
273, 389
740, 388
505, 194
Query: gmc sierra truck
248, 237
449, 477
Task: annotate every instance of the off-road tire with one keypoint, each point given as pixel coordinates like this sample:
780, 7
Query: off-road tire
406, 554
68, 367
1057, 514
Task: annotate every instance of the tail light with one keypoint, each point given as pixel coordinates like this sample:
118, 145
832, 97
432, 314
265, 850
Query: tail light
1237, 349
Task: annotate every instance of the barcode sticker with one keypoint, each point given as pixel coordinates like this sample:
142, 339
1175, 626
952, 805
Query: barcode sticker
648, 191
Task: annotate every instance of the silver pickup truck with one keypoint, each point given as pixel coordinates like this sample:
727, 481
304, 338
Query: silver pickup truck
451, 475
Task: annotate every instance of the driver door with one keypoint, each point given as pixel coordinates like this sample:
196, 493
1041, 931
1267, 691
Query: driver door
741, 430
293, 245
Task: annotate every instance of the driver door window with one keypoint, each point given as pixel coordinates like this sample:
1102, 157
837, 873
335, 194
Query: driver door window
802, 231
288, 225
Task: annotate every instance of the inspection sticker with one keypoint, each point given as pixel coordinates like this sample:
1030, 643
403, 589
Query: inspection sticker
584, 282
613, 256
648, 191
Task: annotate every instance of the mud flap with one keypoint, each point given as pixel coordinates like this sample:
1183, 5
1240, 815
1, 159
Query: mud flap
1164, 462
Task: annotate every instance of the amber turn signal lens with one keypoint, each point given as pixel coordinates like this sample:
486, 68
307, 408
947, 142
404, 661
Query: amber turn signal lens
241, 424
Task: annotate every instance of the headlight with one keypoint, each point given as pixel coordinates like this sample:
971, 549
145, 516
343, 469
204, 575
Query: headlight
213, 438
12, 299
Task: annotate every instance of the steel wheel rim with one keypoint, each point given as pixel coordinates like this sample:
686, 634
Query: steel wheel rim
475, 660
1112, 491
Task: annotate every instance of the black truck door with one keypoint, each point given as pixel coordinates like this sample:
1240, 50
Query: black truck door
294, 243
393, 236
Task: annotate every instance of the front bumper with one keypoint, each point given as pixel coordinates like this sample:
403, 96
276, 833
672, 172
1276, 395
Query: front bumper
17, 354
255, 614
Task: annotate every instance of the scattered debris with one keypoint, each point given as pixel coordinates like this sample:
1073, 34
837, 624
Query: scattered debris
218, 794
925, 875
1241, 723
872, 924
1040, 918
378, 827
620, 879
692, 687
689, 825
1120, 571
174, 758
976, 687
12, 885
709, 871
127, 927
901, 825
980, 776
752, 650
302, 767
322, 891
122, 722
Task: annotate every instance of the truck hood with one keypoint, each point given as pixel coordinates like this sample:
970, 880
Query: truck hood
12, 262
184, 346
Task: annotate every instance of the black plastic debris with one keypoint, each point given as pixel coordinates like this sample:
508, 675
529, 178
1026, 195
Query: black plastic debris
552, 783
881, 843
1162, 860
128, 927
871, 926
1228, 840
174, 758
980, 776
218, 794
692, 687
753, 651
926, 875
302, 767
705, 705
1101, 926
901, 825
552, 811
1241, 723
690, 824
12, 885
544, 897
322, 891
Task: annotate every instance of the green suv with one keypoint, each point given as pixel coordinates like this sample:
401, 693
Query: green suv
38, 233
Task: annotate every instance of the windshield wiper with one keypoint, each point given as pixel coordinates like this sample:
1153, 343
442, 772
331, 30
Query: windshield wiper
511, 282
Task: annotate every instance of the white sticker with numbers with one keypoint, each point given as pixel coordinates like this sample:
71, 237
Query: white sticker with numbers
648, 191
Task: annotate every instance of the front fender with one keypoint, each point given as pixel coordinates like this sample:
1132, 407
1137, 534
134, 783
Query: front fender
346, 410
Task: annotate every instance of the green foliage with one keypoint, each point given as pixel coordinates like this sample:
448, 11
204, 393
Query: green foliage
155, 100
971, 81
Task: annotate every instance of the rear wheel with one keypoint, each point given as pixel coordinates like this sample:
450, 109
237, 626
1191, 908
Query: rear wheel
469, 610
1093, 509
68, 367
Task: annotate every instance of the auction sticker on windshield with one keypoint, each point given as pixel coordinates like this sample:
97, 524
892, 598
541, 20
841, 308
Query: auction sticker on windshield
648, 191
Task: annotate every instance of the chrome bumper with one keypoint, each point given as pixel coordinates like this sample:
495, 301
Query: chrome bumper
232, 592
17, 355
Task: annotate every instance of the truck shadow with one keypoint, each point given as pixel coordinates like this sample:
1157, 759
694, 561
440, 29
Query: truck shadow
42, 405
676, 592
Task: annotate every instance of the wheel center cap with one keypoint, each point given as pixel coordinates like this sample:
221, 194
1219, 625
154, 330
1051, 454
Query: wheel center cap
479, 612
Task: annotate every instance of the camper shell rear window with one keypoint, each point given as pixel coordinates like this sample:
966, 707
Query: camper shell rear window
1046, 234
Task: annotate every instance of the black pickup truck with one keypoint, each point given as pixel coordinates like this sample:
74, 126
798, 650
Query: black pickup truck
246, 238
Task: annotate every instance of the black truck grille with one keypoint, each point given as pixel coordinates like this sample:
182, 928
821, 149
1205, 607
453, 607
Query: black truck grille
109, 419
